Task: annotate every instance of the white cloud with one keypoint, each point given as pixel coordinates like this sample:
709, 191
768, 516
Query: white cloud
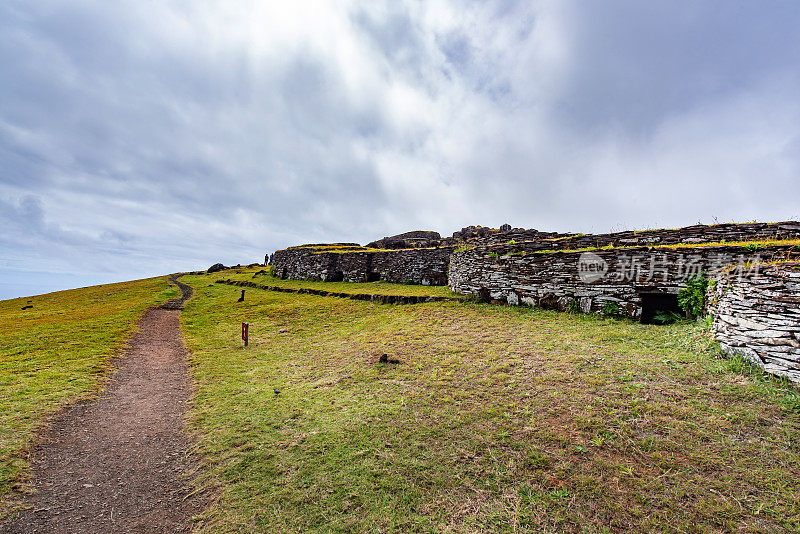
179, 134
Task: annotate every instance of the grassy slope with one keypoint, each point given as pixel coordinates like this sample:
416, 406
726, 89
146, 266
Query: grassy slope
499, 418
58, 352
374, 288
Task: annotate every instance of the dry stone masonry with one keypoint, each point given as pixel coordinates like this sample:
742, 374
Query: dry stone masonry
636, 274
758, 317
422, 266
634, 282
423, 257
379, 298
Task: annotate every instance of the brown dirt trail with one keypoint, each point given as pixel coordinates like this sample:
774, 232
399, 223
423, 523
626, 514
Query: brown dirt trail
118, 464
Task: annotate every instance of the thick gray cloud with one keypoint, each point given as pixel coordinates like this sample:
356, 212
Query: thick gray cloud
138, 138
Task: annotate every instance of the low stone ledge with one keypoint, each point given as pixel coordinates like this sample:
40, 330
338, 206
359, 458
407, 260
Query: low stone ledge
381, 299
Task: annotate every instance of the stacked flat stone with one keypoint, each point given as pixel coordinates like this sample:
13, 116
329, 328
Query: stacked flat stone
378, 298
758, 317
552, 280
700, 233
406, 266
520, 266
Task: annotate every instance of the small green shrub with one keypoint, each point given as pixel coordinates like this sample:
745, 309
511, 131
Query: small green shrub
611, 308
493, 254
666, 317
573, 307
712, 290
692, 298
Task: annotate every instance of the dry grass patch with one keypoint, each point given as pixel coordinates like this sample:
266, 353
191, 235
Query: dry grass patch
502, 419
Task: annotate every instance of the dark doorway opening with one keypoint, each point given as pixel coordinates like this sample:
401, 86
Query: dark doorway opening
336, 276
656, 305
373, 276
283, 274
483, 295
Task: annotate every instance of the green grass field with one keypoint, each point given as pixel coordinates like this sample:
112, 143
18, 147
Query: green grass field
503, 419
58, 351
374, 288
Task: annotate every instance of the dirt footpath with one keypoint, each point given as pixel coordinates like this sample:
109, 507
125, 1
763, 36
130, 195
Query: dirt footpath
118, 464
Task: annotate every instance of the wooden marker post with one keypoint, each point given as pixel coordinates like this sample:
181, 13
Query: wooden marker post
245, 333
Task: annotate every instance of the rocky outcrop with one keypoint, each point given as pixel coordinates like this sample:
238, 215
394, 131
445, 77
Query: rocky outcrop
415, 239
758, 317
217, 267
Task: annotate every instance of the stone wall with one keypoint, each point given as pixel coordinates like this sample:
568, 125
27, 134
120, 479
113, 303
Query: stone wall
533, 240
410, 266
303, 264
758, 317
701, 233
624, 280
417, 266
530, 267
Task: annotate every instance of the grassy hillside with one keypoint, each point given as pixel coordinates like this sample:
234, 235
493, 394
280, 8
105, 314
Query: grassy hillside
58, 351
501, 419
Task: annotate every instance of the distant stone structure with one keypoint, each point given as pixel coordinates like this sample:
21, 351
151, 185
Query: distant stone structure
349, 263
636, 274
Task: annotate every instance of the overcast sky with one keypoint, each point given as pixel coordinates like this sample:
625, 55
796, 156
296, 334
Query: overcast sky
144, 137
